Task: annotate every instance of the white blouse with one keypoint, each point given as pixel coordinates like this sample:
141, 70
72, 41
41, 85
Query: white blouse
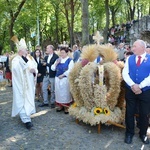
63, 60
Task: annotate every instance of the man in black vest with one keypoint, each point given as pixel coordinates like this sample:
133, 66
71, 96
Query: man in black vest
49, 77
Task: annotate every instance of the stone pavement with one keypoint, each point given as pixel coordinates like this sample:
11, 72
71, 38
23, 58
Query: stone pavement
57, 131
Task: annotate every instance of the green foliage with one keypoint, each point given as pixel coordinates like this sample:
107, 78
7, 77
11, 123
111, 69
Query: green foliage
97, 15
52, 17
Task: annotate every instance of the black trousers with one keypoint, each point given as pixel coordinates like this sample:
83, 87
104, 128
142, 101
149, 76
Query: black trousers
143, 101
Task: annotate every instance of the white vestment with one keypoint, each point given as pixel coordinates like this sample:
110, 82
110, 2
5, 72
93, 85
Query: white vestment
62, 90
23, 86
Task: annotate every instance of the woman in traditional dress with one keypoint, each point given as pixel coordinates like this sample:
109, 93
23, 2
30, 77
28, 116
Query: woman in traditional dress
38, 59
62, 65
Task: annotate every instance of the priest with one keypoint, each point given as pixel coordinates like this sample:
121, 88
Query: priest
24, 73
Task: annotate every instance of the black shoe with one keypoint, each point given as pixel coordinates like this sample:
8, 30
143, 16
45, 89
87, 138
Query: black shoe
128, 139
144, 139
29, 125
43, 105
66, 112
52, 105
59, 109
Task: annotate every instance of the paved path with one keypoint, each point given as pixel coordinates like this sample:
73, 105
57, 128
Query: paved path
57, 131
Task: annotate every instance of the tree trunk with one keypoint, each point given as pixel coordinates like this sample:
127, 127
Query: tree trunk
1, 48
69, 26
85, 22
107, 21
13, 16
61, 34
113, 17
72, 24
132, 14
68, 21
11, 33
70, 13
57, 19
132, 10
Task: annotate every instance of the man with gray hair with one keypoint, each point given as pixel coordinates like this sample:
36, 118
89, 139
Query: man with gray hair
49, 77
120, 51
24, 72
136, 74
76, 53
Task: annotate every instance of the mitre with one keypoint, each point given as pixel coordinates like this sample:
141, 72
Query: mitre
21, 45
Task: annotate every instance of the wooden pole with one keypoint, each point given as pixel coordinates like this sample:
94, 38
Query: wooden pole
116, 124
99, 128
77, 121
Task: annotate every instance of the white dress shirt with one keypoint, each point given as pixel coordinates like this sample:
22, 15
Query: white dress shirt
48, 60
38, 59
126, 77
63, 60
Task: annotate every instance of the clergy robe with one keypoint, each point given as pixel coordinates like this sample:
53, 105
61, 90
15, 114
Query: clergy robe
23, 85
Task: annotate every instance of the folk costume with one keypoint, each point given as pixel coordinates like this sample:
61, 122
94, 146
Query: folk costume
62, 90
137, 73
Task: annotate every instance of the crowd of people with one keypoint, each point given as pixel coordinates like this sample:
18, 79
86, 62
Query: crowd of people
118, 33
33, 73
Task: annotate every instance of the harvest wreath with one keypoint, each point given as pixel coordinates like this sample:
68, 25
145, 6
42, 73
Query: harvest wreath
97, 87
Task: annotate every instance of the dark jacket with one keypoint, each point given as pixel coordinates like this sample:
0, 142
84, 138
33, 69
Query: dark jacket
40, 67
52, 74
7, 65
76, 55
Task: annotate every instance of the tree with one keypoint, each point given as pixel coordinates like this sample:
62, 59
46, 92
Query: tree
13, 17
114, 6
59, 20
132, 6
1, 48
85, 22
71, 8
3, 27
56, 6
107, 20
96, 16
